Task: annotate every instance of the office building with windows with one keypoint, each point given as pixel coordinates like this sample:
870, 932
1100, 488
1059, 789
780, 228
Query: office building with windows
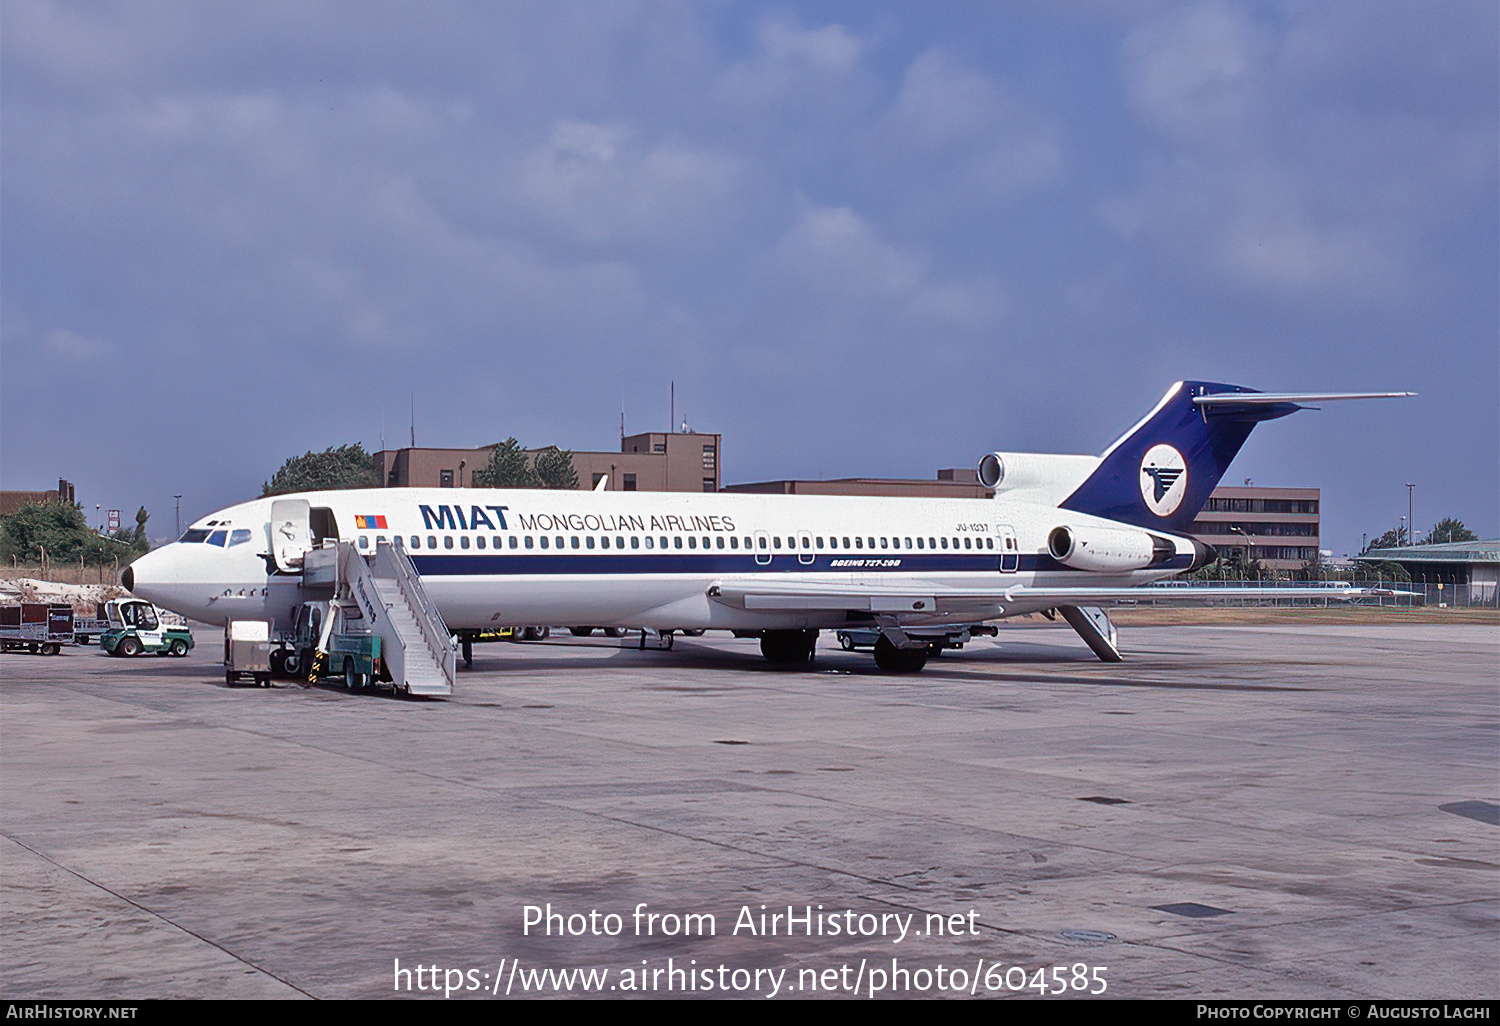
1277, 526
655, 461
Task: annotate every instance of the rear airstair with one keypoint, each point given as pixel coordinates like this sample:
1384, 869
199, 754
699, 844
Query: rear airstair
419, 653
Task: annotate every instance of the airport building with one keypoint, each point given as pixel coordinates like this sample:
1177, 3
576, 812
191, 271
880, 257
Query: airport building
655, 461
1276, 526
12, 501
1470, 568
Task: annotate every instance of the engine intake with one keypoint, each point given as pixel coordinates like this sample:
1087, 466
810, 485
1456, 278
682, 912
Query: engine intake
1102, 549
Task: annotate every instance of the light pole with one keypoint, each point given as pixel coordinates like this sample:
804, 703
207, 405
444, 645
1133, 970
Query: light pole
1411, 525
178, 498
1246, 564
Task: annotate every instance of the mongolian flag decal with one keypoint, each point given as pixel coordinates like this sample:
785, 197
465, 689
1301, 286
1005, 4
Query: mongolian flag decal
367, 523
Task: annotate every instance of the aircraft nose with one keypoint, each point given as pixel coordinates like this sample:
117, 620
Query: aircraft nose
127, 578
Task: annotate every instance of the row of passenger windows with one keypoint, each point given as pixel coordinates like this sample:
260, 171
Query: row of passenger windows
763, 542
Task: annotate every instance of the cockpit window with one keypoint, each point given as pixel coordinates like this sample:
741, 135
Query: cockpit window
218, 538
239, 536
194, 535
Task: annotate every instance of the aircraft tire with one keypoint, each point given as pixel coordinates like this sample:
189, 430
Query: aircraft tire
898, 660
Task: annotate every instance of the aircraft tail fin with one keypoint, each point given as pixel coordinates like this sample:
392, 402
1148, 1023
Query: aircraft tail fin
1159, 473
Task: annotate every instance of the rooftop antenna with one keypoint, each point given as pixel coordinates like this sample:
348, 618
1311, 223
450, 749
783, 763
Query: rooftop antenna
414, 418
622, 415
673, 418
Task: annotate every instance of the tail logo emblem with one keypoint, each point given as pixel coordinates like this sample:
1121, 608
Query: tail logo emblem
1163, 479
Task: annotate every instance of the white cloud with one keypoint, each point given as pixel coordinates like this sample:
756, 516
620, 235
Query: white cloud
602, 185
1197, 73
964, 132
830, 48
797, 76
838, 284
76, 347
1271, 172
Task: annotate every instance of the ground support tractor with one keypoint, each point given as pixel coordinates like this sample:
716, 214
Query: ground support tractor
137, 627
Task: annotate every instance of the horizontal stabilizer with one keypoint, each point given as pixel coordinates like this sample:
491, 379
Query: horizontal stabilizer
1261, 398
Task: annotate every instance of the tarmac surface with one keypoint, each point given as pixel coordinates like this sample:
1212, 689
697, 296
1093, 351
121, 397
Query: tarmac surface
1299, 811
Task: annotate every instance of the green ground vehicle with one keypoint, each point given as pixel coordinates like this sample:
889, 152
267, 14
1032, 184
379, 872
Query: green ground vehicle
331, 640
137, 626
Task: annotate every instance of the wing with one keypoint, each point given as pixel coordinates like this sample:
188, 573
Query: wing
928, 601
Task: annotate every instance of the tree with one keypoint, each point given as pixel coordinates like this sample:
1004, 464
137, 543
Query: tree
1392, 539
509, 467
512, 467
1449, 530
555, 468
135, 540
348, 466
60, 531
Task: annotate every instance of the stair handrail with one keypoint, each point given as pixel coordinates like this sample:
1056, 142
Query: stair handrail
394, 560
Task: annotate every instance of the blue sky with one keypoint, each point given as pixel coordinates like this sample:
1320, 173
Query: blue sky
862, 238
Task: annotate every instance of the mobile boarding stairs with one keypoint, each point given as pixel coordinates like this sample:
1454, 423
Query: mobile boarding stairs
419, 652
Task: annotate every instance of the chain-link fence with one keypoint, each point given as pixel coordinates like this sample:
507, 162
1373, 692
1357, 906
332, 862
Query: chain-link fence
1386, 592
65, 573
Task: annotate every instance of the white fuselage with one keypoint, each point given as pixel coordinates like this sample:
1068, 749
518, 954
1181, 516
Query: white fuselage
643, 559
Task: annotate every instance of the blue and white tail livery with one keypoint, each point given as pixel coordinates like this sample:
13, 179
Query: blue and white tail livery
1063, 533
1160, 473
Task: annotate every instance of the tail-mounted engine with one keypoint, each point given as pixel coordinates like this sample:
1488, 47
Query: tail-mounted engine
1107, 549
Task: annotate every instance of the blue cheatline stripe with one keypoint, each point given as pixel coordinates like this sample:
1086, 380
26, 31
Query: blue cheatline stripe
597, 564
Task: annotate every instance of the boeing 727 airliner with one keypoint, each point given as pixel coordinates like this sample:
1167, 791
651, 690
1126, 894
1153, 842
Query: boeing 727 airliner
1064, 533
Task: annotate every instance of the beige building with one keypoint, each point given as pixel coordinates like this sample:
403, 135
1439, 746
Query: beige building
12, 501
1278, 526
656, 461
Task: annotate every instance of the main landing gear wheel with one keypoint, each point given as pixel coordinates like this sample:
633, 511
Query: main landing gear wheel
352, 680
788, 648
898, 660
